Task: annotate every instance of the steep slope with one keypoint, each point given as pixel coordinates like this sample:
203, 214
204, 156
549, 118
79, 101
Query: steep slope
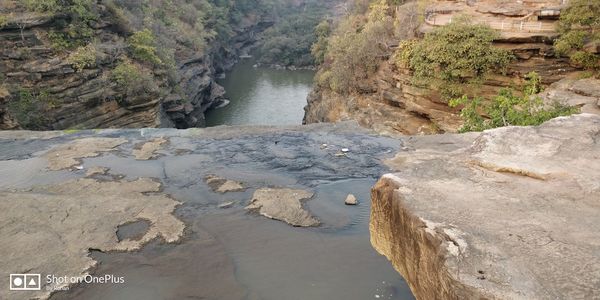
390, 101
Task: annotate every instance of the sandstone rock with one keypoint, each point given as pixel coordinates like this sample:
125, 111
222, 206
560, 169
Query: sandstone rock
351, 200
512, 215
283, 204
582, 93
148, 149
52, 228
68, 155
223, 185
96, 171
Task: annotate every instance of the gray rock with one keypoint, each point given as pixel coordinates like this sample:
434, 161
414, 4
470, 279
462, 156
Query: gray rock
510, 214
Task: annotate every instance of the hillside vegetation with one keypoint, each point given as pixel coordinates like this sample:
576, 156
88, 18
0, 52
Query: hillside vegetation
447, 65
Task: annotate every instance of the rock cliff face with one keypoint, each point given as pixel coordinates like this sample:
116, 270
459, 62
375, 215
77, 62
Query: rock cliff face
392, 104
88, 98
510, 213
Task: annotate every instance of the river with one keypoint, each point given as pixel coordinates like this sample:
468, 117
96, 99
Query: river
262, 96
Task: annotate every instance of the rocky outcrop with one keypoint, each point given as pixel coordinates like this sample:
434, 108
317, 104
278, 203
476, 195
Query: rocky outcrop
391, 103
41, 89
582, 93
511, 213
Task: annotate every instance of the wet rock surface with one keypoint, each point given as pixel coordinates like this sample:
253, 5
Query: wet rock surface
67, 219
223, 185
221, 253
511, 213
284, 205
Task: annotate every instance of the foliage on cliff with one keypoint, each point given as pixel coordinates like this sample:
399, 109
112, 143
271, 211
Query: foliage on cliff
288, 42
453, 58
359, 43
579, 26
509, 109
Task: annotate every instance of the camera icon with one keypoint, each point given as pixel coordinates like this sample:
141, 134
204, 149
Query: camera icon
25, 282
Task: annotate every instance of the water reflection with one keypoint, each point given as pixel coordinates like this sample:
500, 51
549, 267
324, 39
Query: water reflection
262, 96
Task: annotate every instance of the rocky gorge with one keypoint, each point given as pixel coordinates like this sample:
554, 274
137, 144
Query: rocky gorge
43, 89
509, 213
391, 102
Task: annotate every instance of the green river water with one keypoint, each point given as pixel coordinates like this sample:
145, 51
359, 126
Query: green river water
262, 96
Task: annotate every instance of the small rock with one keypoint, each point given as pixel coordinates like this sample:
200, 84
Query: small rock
96, 171
223, 185
345, 150
79, 167
351, 200
340, 154
226, 205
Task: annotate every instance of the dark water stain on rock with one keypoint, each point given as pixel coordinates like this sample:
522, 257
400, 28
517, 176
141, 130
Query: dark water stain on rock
133, 230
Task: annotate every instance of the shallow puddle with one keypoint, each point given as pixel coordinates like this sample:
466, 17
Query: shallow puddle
233, 254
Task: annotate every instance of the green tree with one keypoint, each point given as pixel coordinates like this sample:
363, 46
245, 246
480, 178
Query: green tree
356, 49
579, 27
508, 109
319, 48
454, 56
143, 47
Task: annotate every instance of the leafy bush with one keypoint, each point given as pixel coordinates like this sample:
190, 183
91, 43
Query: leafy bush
579, 25
319, 48
289, 40
51, 6
132, 79
143, 47
28, 107
508, 109
357, 47
84, 57
77, 32
3, 21
453, 56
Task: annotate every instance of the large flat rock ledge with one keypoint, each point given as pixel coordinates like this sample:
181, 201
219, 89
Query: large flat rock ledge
514, 214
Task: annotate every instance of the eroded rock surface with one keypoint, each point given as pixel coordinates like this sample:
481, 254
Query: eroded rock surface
223, 185
511, 213
283, 204
69, 155
148, 149
53, 227
68, 215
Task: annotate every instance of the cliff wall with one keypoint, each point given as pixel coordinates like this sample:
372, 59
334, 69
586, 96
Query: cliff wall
392, 103
40, 88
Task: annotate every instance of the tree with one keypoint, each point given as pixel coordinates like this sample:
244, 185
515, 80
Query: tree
579, 27
319, 48
508, 109
453, 57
